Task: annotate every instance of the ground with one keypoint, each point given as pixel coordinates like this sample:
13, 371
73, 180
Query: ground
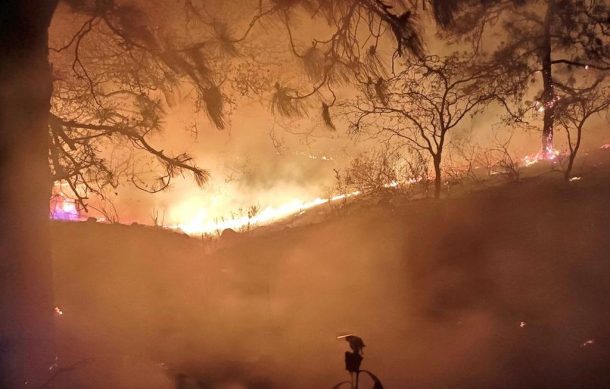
504, 287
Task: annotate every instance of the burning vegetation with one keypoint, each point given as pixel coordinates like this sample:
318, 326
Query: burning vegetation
209, 192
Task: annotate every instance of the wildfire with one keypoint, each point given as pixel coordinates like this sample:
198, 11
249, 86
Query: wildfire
63, 208
195, 217
200, 224
200, 221
392, 184
318, 157
550, 154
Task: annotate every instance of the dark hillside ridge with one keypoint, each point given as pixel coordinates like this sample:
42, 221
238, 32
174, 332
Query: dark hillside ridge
506, 288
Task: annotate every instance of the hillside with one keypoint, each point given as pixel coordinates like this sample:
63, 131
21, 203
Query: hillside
504, 287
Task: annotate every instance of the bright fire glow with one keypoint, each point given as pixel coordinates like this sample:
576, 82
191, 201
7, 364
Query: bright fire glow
63, 208
199, 223
195, 217
550, 155
344, 336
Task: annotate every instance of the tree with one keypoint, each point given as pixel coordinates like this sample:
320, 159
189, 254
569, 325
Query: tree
115, 79
574, 112
26, 320
348, 51
552, 41
422, 103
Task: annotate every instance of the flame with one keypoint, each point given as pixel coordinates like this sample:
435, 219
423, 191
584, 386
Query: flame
196, 216
314, 156
63, 208
200, 222
550, 154
541, 107
344, 336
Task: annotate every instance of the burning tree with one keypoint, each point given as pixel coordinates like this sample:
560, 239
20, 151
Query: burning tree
553, 42
421, 104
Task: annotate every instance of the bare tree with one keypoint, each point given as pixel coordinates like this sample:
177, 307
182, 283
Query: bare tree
574, 112
421, 104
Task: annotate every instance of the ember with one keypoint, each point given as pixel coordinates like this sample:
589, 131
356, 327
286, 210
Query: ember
588, 343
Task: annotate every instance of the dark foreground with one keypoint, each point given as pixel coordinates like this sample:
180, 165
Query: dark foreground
504, 288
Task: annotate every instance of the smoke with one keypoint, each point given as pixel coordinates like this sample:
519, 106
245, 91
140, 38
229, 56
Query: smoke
504, 288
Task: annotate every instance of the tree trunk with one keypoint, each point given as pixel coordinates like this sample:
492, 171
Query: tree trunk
573, 152
437, 176
548, 94
26, 315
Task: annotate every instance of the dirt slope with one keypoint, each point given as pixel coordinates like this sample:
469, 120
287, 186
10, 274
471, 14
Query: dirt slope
506, 287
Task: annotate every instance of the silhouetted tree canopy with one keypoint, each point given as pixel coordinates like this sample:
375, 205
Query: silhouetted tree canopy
127, 64
553, 48
419, 105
